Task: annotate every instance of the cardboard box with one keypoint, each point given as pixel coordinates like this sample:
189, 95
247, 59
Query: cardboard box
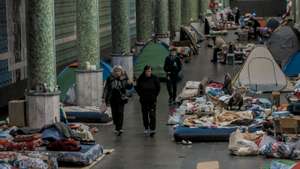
17, 111
208, 165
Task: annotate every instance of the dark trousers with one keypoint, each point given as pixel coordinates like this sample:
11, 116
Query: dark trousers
149, 117
172, 88
215, 55
117, 110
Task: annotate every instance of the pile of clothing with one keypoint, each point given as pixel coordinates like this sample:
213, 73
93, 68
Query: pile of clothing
13, 160
190, 90
210, 111
245, 144
73, 143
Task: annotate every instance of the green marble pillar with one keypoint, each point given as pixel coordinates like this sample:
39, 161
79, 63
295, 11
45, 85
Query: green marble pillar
204, 6
174, 16
189, 11
41, 46
88, 32
120, 26
195, 10
297, 6
162, 17
226, 3
143, 20
186, 11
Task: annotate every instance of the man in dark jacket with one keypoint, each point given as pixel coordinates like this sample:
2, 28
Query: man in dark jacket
172, 68
148, 88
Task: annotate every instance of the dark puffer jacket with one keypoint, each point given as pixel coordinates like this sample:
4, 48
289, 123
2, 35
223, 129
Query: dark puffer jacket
148, 88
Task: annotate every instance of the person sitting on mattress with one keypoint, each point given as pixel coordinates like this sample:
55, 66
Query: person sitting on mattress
236, 100
115, 95
219, 43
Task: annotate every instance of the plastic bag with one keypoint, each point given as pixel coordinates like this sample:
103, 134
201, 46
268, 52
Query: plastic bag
70, 96
266, 140
174, 120
108, 111
240, 146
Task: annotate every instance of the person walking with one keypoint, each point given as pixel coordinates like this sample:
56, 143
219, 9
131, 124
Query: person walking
172, 67
148, 88
114, 95
219, 44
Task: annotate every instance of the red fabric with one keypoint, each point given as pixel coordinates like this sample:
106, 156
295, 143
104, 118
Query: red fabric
64, 145
20, 146
216, 85
213, 5
27, 138
297, 166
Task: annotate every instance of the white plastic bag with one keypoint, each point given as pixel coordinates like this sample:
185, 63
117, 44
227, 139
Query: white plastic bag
240, 146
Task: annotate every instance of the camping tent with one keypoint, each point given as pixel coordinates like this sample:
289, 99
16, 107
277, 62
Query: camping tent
186, 34
153, 54
198, 28
66, 78
293, 66
260, 72
283, 43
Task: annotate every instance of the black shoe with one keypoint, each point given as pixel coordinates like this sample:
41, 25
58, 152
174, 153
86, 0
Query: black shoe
152, 133
118, 132
170, 101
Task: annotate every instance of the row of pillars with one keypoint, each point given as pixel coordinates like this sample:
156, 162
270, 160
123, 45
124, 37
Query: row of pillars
43, 94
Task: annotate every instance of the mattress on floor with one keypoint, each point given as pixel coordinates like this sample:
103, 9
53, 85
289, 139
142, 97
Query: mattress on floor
206, 134
86, 115
86, 156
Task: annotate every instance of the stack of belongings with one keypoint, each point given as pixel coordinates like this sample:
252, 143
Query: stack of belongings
295, 96
260, 143
30, 160
71, 144
214, 115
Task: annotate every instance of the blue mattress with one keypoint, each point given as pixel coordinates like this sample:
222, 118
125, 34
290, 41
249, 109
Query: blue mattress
205, 134
86, 156
87, 117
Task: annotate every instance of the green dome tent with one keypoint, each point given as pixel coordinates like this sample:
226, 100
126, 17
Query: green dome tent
153, 54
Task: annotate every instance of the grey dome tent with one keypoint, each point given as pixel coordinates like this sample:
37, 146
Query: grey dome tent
283, 44
260, 72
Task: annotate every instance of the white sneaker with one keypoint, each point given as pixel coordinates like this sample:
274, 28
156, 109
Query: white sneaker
146, 132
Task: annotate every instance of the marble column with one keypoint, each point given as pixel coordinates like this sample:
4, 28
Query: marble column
175, 18
42, 95
120, 36
190, 10
143, 22
89, 76
297, 21
162, 21
226, 3
186, 11
204, 6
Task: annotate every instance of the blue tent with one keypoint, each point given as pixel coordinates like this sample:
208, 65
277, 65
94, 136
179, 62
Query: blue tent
293, 67
66, 79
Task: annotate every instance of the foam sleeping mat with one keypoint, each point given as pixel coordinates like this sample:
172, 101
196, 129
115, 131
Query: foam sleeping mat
86, 156
205, 134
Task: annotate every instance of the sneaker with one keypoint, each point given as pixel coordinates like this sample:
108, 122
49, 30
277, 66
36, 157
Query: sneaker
152, 133
146, 132
119, 132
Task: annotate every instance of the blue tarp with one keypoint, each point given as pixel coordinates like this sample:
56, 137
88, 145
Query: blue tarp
293, 66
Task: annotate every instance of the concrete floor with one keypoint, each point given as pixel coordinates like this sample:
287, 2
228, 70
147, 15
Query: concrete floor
135, 151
